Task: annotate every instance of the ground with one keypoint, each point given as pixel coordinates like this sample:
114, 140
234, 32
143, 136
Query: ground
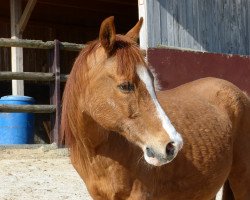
39, 172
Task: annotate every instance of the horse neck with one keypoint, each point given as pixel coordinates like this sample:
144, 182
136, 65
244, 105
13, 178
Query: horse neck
93, 133
99, 141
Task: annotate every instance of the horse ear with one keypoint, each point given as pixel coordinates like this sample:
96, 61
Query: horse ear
107, 34
134, 32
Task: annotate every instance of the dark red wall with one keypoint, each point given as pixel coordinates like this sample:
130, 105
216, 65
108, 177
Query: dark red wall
175, 67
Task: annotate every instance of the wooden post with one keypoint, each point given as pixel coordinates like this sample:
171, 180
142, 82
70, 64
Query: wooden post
55, 97
142, 6
16, 52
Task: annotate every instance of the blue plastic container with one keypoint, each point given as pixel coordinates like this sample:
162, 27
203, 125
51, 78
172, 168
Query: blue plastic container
16, 128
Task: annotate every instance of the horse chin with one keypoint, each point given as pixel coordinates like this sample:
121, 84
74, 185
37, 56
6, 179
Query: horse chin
154, 161
158, 161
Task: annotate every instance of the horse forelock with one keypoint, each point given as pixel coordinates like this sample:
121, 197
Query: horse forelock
128, 56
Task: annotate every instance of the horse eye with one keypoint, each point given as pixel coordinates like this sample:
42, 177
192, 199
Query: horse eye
126, 87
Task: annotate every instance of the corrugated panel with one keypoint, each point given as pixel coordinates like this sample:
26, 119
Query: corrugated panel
209, 25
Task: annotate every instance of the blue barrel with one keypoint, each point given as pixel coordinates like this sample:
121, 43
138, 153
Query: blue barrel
16, 128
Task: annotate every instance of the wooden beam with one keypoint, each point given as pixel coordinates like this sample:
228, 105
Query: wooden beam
39, 44
16, 52
26, 15
34, 76
31, 76
142, 6
64, 77
27, 108
118, 2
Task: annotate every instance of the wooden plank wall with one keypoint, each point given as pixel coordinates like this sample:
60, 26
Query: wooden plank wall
208, 25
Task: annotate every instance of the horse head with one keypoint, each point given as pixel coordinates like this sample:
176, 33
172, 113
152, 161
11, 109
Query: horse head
121, 97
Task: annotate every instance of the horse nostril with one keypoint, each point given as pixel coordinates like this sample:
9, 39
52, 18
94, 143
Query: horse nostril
170, 149
150, 152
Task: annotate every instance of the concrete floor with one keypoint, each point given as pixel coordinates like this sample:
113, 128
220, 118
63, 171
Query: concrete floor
40, 172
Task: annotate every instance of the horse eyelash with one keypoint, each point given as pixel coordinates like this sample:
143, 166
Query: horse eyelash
127, 87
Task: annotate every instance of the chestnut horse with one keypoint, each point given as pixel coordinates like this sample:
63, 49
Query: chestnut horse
122, 132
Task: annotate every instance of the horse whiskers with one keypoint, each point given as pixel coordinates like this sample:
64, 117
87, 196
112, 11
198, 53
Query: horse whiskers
139, 159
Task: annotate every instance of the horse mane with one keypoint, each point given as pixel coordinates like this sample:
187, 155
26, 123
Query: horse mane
127, 54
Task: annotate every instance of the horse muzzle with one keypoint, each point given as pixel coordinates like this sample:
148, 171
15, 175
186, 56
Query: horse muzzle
156, 157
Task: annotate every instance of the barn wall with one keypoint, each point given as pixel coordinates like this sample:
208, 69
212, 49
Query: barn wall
208, 25
5, 61
176, 67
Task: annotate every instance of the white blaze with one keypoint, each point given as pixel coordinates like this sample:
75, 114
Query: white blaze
166, 123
